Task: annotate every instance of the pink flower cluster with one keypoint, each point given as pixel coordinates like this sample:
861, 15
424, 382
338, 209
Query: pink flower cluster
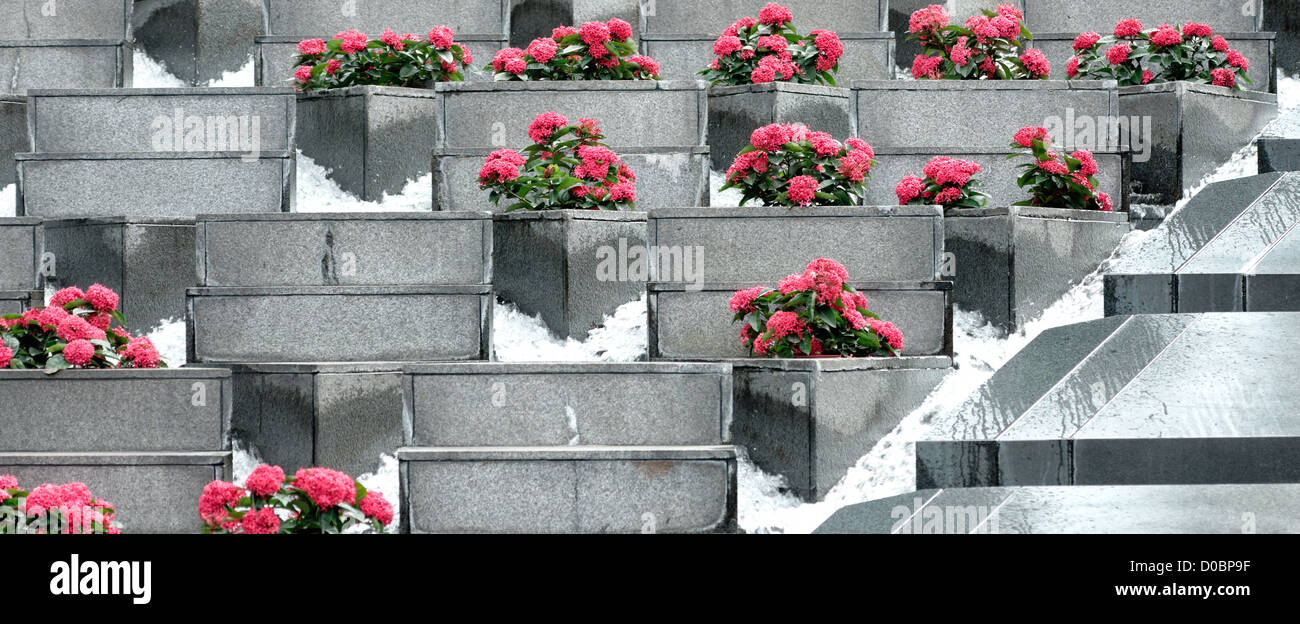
945, 183
811, 160
79, 320
377, 62
513, 175
326, 487
69, 508
310, 501
1069, 183
985, 41
502, 165
607, 43
769, 49
1166, 53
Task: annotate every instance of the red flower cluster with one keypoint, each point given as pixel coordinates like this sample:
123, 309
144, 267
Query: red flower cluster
814, 169
948, 182
352, 58
594, 51
769, 49
75, 329
67, 509
1132, 56
534, 179
1055, 180
977, 49
314, 500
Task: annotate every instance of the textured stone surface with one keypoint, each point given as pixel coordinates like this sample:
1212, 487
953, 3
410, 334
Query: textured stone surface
246, 120
198, 40
686, 16
339, 324
148, 262
26, 20
313, 18
274, 56
329, 249
1283, 18
18, 301
551, 263
1146, 509
681, 56
734, 113
1276, 154
180, 409
811, 420
13, 136
151, 492
531, 19
690, 322
601, 404
1012, 263
153, 184
1102, 15
670, 176
64, 64
1259, 47
569, 489
22, 241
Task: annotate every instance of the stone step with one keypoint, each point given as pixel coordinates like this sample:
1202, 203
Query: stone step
1234, 247
154, 184
352, 249
868, 55
151, 492
339, 324
22, 243
64, 64
1102, 15
148, 262
312, 18
690, 321
581, 489
275, 57
13, 136
1138, 400
27, 20
1278, 154
687, 16
198, 40
165, 410
19, 301
736, 111
1283, 17
574, 404
1092, 509
161, 120
1257, 46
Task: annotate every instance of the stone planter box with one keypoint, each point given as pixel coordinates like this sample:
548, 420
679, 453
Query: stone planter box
811, 420
681, 56
345, 249
148, 262
693, 322
18, 301
88, 19
13, 136
250, 120
274, 55
64, 64
551, 263
314, 17
339, 324
999, 174
1278, 154
1259, 47
1102, 15
153, 184
344, 416
877, 243
198, 40
670, 176
569, 489
1013, 263
579, 404
735, 112
1194, 129
976, 113
22, 243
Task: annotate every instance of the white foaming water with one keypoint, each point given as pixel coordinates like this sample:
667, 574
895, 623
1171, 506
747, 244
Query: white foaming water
385, 481
719, 197
246, 458
9, 201
169, 338
517, 337
318, 193
149, 73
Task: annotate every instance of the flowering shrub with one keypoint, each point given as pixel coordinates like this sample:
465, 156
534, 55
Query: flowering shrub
1056, 180
948, 182
351, 58
988, 46
1135, 56
54, 509
596, 51
314, 500
75, 330
814, 313
566, 167
790, 165
769, 48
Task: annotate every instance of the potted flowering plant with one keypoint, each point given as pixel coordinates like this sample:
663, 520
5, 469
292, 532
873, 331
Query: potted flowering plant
789, 165
769, 48
595, 51
76, 330
948, 182
54, 509
353, 59
987, 47
314, 500
1055, 179
1134, 56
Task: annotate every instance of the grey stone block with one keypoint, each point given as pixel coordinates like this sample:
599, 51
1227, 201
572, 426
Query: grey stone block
153, 184
274, 56
533, 19
151, 492
998, 176
558, 263
64, 64
877, 243
344, 416
326, 17
569, 489
735, 112
916, 113
1012, 263
22, 243
1277, 154
1194, 129
1283, 18
670, 176
693, 322
13, 136
339, 324
148, 262
19, 301
811, 420
350, 249
867, 55
198, 40
580, 404
27, 20
1259, 47
153, 120
683, 16
1102, 15
165, 410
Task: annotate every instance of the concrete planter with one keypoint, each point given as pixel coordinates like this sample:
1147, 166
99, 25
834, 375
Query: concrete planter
811, 420
315, 17
22, 243
274, 55
64, 64
153, 184
693, 322
1259, 47
670, 176
13, 136
975, 113
19, 301
345, 249
878, 243
28, 20
148, 262
1194, 129
735, 112
556, 263
198, 40
569, 489
681, 56
1102, 15
1012, 263
339, 324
